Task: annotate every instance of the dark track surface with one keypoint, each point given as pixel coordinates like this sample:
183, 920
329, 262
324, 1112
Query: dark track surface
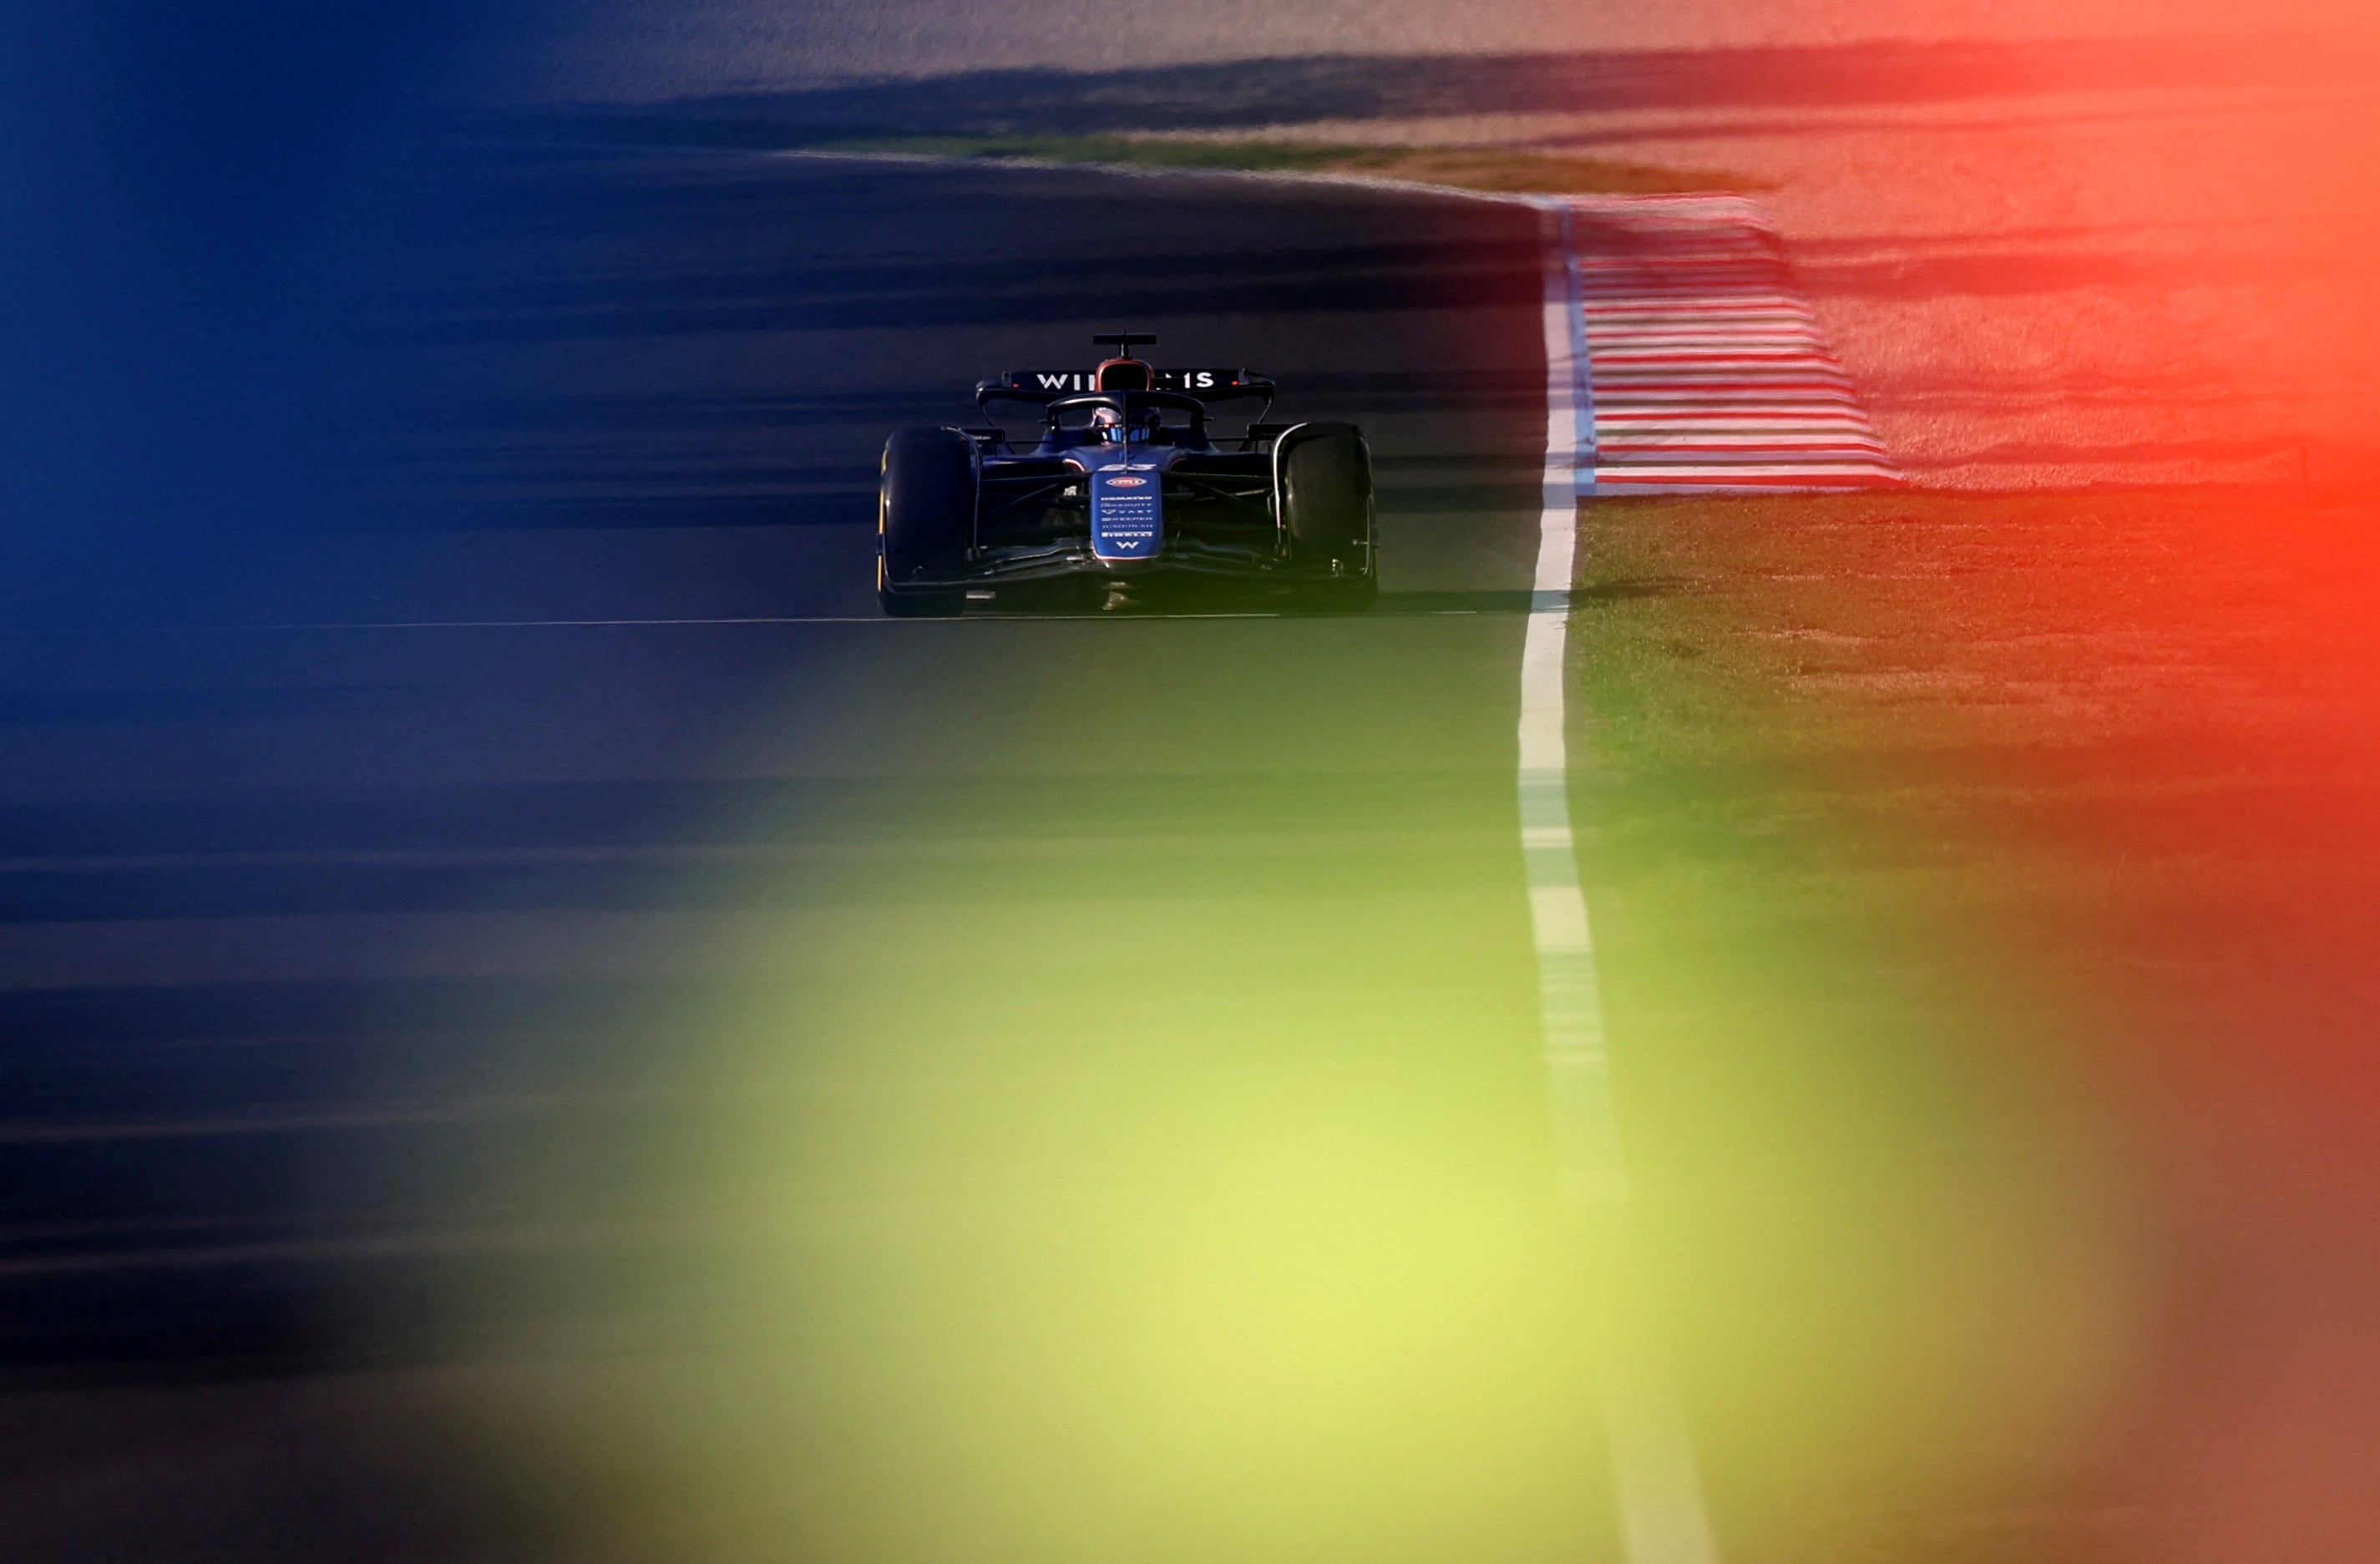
417, 1009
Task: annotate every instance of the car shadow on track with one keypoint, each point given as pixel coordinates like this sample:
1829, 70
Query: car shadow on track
1218, 606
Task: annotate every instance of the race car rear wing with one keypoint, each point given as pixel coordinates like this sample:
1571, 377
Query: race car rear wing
1048, 385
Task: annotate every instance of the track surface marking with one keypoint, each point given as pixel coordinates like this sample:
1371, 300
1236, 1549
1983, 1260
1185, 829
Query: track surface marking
1663, 1519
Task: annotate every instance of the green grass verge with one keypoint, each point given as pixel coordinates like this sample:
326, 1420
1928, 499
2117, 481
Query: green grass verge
1484, 168
1968, 874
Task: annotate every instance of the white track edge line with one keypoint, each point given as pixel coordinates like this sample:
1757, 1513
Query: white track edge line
1657, 1482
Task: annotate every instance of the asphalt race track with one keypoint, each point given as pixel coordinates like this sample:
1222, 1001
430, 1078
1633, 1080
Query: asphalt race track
539, 1025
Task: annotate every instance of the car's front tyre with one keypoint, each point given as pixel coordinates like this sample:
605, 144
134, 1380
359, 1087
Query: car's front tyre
925, 520
1326, 506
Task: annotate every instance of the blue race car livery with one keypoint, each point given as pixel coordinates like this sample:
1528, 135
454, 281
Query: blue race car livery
1125, 489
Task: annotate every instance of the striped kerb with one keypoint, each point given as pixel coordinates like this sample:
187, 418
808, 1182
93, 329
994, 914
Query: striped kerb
1709, 370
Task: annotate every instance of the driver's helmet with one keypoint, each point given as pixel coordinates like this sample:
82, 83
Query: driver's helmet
1109, 424
1106, 426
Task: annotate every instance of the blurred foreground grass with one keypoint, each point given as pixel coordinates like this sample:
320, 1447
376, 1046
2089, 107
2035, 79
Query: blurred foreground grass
1125, 1139
1131, 1139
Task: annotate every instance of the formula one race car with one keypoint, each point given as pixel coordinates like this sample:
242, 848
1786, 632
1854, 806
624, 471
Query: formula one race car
1122, 492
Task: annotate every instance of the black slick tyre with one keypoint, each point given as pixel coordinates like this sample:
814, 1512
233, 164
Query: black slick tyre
1326, 502
925, 520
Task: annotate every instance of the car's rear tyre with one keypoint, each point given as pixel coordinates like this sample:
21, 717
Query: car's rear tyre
1326, 506
925, 520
